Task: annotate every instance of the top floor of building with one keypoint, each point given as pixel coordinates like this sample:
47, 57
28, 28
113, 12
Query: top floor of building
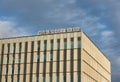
66, 38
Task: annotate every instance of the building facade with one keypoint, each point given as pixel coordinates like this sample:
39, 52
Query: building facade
63, 55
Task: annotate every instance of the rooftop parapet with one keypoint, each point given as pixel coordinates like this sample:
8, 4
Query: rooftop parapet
57, 31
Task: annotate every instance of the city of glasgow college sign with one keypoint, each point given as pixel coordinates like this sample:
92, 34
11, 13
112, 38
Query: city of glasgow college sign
56, 31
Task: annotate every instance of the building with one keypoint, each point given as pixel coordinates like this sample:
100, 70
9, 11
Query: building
62, 55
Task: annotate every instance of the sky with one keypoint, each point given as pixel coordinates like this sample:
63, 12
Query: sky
99, 19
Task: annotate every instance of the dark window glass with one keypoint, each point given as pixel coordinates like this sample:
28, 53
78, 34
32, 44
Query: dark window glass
71, 78
64, 78
38, 45
78, 56
1, 65
8, 52
38, 52
25, 60
79, 43
8, 48
44, 79
38, 60
71, 59
20, 47
51, 45
44, 66
65, 64
37, 79
51, 64
79, 78
19, 60
72, 43
51, 59
58, 60
71, 64
65, 56
57, 80
31, 60
14, 47
13, 61
50, 78
79, 60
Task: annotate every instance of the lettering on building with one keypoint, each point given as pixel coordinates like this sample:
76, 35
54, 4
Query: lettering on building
57, 31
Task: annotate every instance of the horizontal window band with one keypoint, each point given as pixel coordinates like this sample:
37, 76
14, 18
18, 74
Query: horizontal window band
41, 62
41, 51
74, 72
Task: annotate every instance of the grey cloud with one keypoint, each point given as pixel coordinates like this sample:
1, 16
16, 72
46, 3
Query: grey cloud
38, 12
10, 29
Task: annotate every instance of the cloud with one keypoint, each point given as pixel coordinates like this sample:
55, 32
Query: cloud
108, 10
118, 61
107, 33
10, 29
107, 37
109, 45
44, 12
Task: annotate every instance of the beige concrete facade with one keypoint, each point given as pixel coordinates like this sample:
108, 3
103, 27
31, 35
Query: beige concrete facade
57, 57
95, 67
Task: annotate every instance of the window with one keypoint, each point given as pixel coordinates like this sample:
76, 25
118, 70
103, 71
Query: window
2, 56
38, 60
8, 48
25, 60
50, 78
71, 78
38, 44
51, 59
8, 52
38, 52
65, 43
78, 56
64, 78
14, 48
79, 77
20, 47
79, 63
44, 57
51, 44
58, 60
79, 43
19, 60
51, 50
32, 46
72, 43
64, 65
44, 66
45, 45
57, 79
71, 59
44, 79
13, 61
31, 60
37, 79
